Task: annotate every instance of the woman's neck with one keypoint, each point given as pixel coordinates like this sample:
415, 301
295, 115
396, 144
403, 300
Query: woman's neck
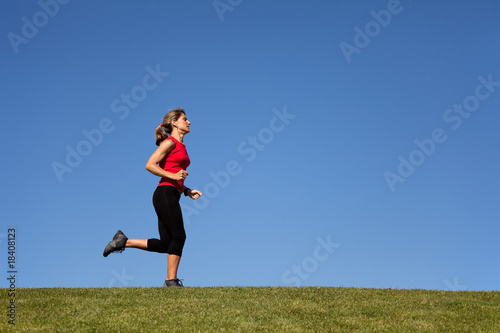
178, 136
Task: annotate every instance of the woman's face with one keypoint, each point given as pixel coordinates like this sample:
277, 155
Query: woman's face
182, 123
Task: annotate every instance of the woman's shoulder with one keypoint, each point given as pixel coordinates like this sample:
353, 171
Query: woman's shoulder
172, 140
169, 140
168, 143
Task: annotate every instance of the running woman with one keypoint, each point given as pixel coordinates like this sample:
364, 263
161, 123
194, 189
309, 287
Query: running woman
169, 161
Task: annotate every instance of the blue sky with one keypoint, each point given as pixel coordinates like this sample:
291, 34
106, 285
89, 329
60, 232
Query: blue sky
338, 143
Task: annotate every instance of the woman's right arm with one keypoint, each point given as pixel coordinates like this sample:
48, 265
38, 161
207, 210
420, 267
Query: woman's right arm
161, 153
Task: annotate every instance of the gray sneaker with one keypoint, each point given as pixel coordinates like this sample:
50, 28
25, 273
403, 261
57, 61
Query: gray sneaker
173, 283
117, 244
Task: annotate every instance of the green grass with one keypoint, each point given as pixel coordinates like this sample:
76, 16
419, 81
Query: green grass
251, 309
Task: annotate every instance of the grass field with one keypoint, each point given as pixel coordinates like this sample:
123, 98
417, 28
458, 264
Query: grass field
251, 309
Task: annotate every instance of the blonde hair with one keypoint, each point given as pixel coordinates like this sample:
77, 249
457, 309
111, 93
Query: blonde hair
165, 128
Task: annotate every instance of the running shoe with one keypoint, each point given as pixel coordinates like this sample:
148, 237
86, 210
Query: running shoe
117, 244
173, 283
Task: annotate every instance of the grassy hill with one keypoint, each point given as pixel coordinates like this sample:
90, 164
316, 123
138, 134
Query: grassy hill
251, 309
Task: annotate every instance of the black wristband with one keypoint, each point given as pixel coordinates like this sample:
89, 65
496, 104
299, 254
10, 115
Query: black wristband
185, 191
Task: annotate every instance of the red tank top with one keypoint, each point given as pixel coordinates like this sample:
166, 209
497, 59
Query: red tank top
175, 161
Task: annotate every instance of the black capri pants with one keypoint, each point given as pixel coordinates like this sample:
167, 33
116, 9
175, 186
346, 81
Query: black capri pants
170, 223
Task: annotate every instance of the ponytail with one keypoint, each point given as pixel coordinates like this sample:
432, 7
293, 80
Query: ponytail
160, 134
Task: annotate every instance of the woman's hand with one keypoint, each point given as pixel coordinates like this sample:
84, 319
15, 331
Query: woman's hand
180, 175
194, 194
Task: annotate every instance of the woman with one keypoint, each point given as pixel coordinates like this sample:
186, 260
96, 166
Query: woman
169, 162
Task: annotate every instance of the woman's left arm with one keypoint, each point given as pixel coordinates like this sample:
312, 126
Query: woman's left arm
193, 194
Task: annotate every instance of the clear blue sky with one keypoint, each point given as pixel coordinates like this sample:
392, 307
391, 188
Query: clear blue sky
338, 143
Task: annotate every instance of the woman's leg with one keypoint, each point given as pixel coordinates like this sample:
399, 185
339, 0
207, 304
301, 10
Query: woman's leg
170, 227
173, 261
176, 229
141, 244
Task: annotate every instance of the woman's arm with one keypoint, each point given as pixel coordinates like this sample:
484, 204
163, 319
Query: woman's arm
161, 153
193, 194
